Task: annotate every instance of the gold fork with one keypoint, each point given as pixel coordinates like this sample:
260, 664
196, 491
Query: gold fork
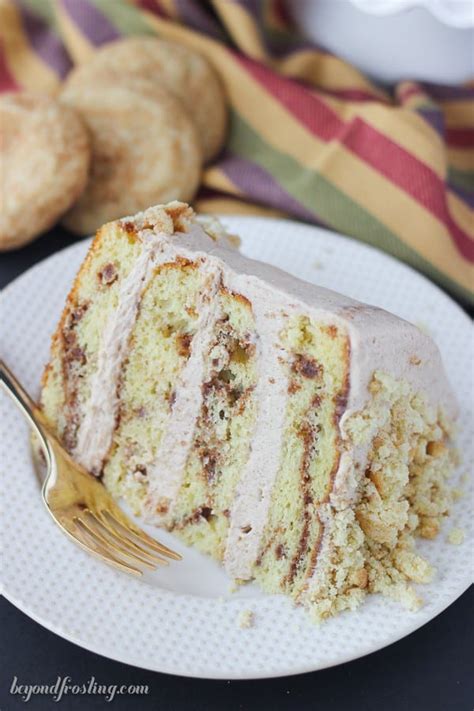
80, 504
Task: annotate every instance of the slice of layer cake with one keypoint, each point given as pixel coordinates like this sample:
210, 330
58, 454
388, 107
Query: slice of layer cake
300, 438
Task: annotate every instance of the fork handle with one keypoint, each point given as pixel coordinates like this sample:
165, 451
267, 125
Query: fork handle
25, 403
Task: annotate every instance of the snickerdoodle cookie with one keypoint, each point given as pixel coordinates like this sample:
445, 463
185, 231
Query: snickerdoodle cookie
180, 70
44, 162
145, 150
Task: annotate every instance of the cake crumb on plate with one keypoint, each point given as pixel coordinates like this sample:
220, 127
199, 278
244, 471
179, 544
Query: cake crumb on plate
246, 619
456, 536
423, 328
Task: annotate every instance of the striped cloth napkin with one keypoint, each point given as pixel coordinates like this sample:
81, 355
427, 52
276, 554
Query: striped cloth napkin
310, 137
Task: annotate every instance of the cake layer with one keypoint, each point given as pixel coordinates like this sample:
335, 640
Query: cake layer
318, 383
223, 431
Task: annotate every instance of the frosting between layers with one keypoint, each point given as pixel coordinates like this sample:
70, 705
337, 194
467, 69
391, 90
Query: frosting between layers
165, 475
98, 424
254, 489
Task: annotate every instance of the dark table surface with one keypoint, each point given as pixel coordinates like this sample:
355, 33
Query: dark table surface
430, 669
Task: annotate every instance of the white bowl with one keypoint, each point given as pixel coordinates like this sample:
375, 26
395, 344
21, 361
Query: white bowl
394, 40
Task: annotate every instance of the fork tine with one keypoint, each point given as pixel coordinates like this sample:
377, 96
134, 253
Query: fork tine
125, 542
81, 537
123, 523
107, 544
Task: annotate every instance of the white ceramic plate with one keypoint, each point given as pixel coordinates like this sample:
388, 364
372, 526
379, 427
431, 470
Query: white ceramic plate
454, 13
185, 619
